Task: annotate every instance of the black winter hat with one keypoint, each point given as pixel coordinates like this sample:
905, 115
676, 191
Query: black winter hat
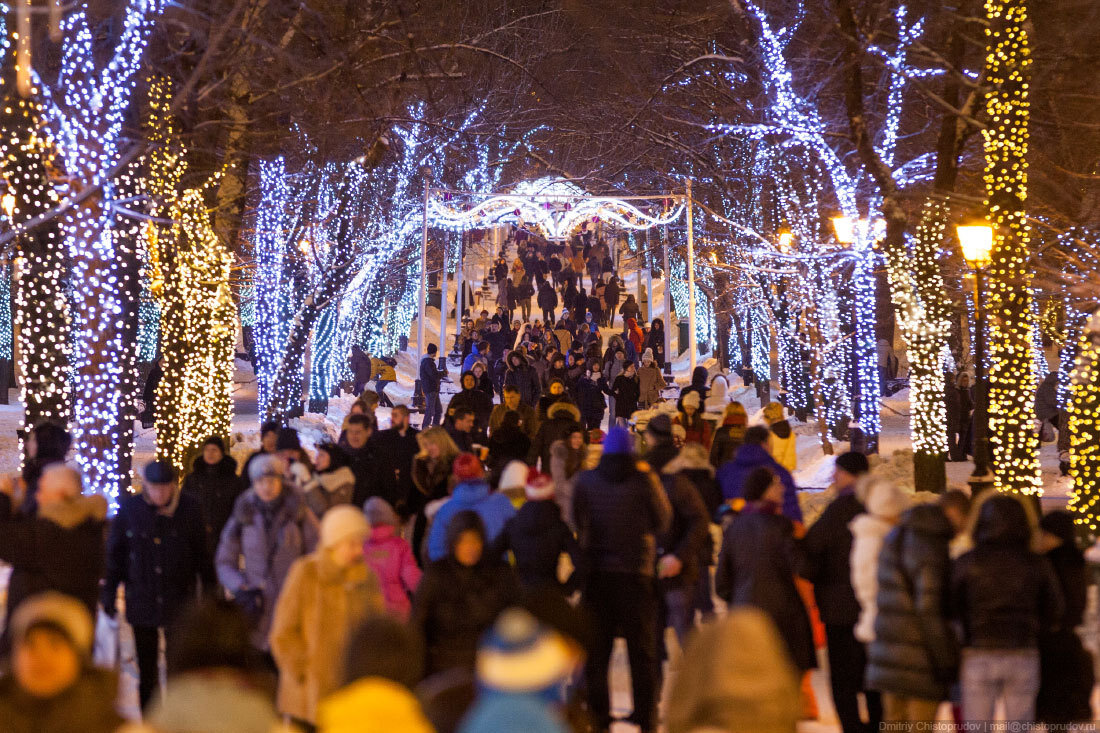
660, 425
159, 472
288, 440
853, 462
215, 440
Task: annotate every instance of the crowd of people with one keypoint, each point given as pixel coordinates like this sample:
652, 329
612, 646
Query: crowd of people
473, 576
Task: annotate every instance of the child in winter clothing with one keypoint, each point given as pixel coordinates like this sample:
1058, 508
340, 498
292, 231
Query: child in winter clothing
390, 557
885, 504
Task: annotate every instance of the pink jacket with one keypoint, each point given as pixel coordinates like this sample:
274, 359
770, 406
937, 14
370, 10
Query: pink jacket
391, 558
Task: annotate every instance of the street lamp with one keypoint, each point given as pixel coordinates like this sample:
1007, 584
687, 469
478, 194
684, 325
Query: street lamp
976, 240
845, 229
785, 240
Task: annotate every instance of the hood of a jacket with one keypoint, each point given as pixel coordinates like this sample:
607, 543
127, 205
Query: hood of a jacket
930, 520
882, 498
226, 466
782, 429
699, 377
564, 409
1002, 520
75, 511
523, 362
470, 491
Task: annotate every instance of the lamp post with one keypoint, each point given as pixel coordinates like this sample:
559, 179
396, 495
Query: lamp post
976, 241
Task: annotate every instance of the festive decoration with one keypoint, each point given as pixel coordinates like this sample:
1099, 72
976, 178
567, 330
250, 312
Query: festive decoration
1084, 428
1012, 376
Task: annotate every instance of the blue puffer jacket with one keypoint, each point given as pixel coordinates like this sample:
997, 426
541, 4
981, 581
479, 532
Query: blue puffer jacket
494, 509
732, 475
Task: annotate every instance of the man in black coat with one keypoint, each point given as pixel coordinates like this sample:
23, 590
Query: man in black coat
475, 399
364, 462
523, 377
157, 549
619, 510
461, 429
430, 378
215, 485
562, 418
396, 448
826, 549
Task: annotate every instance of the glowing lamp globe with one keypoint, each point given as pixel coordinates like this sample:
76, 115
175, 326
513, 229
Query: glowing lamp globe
785, 240
845, 229
976, 241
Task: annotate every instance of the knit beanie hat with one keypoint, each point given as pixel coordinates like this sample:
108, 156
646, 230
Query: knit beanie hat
853, 462
539, 486
62, 612
265, 465
660, 425
216, 441
341, 522
691, 399
379, 512
773, 413
159, 472
618, 442
514, 475
647, 355
520, 655
467, 467
288, 440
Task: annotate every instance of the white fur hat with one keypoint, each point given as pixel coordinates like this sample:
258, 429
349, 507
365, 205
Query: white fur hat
514, 475
341, 522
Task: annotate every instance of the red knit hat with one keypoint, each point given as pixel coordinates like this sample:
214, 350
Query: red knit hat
467, 467
539, 486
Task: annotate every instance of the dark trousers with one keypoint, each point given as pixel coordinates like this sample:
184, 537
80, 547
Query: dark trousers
623, 604
379, 387
548, 316
146, 650
847, 662
433, 410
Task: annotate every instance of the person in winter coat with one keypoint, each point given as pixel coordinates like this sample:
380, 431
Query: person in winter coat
619, 509
590, 397
334, 482
626, 391
383, 662
157, 549
527, 416
215, 677
650, 380
884, 504
563, 418
508, 443
215, 485
461, 429
269, 436
523, 377
548, 302
757, 563
52, 684
736, 675
383, 373
680, 552
555, 393
537, 537
46, 444
480, 351
269, 529
634, 333
691, 463
655, 340
433, 479
461, 595
327, 594
697, 429
430, 377
524, 292
516, 693
751, 455
629, 309
781, 442
390, 558
360, 365
914, 657
567, 458
698, 384
730, 434
481, 372
826, 562
471, 493
59, 548
1006, 597
1066, 667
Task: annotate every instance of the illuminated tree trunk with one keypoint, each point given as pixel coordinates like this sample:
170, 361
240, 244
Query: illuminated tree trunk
1084, 429
1012, 381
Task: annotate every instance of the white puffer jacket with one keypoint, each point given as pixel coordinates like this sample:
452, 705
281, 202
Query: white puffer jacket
884, 503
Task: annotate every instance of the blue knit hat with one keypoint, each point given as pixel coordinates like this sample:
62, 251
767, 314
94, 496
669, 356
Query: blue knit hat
618, 442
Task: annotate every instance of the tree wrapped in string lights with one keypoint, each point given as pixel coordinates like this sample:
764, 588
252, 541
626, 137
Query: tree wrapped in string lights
1084, 428
1012, 380
188, 275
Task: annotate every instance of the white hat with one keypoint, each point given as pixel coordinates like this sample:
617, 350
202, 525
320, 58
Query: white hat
520, 655
59, 610
514, 475
341, 522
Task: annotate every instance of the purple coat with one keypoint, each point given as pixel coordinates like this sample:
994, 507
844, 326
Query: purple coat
268, 553
732, 475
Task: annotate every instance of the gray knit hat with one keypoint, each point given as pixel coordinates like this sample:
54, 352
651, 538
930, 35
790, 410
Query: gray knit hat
265, 466
379, 512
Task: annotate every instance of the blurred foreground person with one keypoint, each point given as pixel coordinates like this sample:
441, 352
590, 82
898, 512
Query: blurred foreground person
214, 483
1006, 597
884, 503
383, 662
217, 682
60, 548
735, 676
521, 668
390, 557
52, 686
326, 596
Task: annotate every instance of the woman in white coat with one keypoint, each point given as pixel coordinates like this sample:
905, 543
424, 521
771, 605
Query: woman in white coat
884, 504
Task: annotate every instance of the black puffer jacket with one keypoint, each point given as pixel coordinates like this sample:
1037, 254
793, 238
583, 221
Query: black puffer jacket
216, 489
689, 531
160, 557
537, 537
563, 418
619, 511
914, 653
826, 561
1004, 594
522, 376
591, 401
